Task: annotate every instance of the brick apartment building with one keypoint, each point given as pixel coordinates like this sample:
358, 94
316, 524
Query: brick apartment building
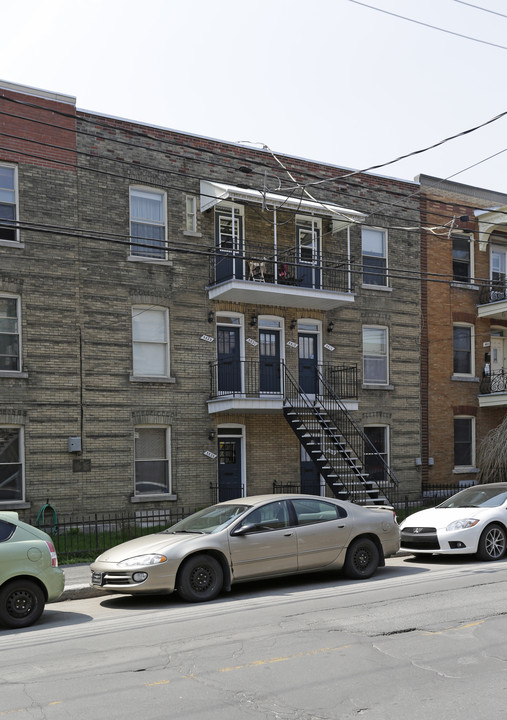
184, 319
464, 335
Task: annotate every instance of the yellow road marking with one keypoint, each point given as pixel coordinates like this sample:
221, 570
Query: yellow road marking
453, 629
258, 663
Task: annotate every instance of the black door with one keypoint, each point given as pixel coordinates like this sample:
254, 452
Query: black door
308, 361
269, 361
308, 253
229, 469
310, 476
229, 368
229, 246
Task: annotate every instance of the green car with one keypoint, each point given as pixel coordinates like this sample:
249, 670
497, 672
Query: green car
29, 572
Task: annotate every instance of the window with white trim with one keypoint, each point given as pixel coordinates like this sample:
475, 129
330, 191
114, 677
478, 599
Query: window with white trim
190, 213
11, 463
464, 442
148, 224
463, 343
378, 435
150, 341
10, 334
152, 467
8, 203
461, 258
375, 356
374, 256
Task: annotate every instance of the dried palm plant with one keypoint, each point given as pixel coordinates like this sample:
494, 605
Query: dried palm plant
493, 455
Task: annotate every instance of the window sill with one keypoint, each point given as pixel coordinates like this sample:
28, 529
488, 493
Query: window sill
192, 233
464, 285
13, 374
12, 244
7, 505
148, 379
151, 261
464, 469
465, 378
153, 498
383, 288
369, 386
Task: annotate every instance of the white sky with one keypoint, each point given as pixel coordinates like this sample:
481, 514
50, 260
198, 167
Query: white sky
328, 80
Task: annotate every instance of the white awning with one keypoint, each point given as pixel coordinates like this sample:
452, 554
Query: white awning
213, 193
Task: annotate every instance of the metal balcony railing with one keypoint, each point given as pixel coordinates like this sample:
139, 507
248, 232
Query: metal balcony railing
493, 292
494, 383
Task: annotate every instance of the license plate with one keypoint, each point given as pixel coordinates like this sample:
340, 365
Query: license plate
97, 579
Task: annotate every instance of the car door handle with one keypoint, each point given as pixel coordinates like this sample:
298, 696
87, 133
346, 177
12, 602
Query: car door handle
288, 534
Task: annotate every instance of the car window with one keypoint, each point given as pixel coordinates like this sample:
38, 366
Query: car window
316, 511
209, 520
476, 496
273, 516
6, 530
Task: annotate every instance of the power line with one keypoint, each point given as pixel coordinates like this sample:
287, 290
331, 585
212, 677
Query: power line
433, 27
479, 7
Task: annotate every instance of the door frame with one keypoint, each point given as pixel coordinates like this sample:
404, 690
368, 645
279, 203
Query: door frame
262, 325
241, 325
241, 436
315, 328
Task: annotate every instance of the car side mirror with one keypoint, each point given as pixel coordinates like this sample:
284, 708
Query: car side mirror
246, 529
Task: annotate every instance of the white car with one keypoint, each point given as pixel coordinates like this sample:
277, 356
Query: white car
474, 521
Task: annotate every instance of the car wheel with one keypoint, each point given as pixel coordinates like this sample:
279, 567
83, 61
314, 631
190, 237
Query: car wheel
21, 603
200, 578
492, 543
362, 559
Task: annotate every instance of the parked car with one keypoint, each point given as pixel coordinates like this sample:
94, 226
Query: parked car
473, 521
250, 538
29, 572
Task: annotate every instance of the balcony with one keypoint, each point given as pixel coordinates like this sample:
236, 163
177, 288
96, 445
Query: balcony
258, 386
493, 390
256, 275
493, 301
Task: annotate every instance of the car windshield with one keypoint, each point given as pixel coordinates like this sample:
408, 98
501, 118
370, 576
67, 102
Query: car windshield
476, 496
209, 520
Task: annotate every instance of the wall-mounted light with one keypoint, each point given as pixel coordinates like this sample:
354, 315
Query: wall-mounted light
211, 316
253, 321
330, 326
211, 434
293, 324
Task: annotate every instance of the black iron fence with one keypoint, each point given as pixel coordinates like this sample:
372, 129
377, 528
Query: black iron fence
496, 382
493, 292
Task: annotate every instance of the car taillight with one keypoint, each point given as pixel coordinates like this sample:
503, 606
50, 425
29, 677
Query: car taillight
52, 551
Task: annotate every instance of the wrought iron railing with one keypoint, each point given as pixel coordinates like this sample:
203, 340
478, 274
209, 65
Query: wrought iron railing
494, 383
257, 263
220, 492
493, 292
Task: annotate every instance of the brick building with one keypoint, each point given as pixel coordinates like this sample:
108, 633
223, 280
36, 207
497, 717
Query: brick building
464, 336
184, 319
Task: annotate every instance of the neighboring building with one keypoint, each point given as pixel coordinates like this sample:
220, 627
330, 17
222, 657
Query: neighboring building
464, 304
181, 322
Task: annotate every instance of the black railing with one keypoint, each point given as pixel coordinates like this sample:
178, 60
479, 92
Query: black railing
260, 378
493, 292
220, 492
494, 383
328, 271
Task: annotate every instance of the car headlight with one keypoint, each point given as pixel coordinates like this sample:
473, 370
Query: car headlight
462, 524
142, 560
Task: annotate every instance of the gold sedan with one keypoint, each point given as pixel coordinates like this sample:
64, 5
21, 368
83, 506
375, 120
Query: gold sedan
251, 538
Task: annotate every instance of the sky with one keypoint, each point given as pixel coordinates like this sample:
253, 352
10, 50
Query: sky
328, 80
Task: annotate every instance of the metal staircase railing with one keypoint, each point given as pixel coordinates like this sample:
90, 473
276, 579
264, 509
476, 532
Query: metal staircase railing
334, 441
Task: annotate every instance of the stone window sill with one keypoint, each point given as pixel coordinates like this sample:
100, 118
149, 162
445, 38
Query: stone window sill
367, 386
153, 498
13, 374
147, 379
151, 261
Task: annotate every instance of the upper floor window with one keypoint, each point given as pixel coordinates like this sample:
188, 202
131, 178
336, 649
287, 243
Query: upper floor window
10, 340
375, 356
461, 260
229, 227
150, 341
190, 213
8, 203
462, 350
152, 454
374, 256
464, 446
147, 224
11, 464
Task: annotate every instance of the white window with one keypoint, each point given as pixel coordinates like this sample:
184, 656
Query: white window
150, 341
8, 203
375, 356
190, 213
464, 442
152, 452
498, 272
10, 337
463, 343
147, 224
374, 256
11, 464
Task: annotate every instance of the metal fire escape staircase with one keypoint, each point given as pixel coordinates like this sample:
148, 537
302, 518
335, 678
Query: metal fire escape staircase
335, 442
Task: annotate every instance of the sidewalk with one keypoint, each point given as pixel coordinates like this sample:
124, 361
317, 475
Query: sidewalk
77, 583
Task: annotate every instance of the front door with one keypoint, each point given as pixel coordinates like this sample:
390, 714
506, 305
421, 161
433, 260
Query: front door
308, 253
229, 469
229, 245
228, 356
308, 360
269, 361
497, 364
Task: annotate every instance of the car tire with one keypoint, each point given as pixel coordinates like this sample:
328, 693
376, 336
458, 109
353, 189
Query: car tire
200, 578
21, 603
492, 543
362, 559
